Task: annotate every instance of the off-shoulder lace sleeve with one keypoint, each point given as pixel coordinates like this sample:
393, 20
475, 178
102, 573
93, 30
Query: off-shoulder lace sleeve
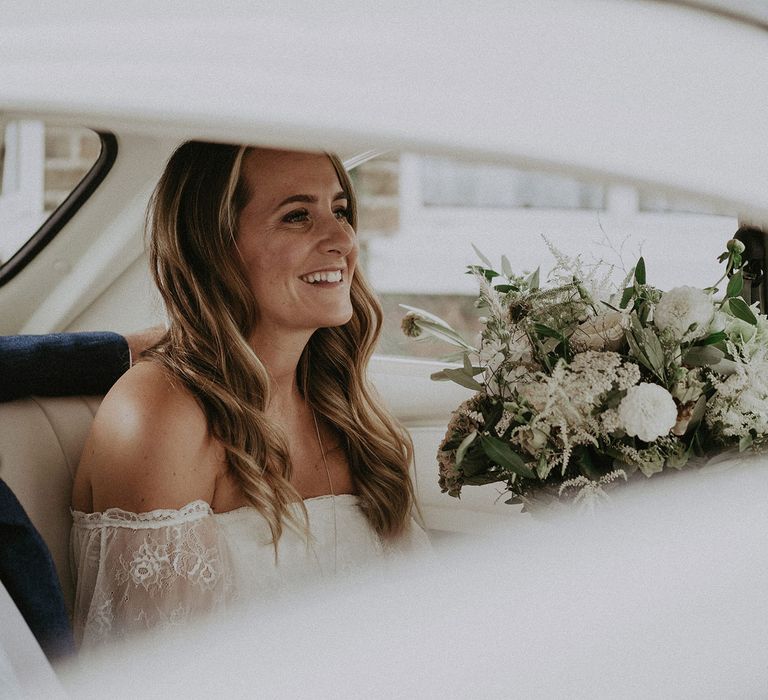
138, 571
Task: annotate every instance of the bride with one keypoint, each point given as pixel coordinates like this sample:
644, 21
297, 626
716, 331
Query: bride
246, 451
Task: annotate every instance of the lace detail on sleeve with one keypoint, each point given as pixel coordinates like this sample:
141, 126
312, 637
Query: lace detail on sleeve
139, 571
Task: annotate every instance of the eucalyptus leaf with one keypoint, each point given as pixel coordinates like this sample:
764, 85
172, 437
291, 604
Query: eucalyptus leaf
640, 271
637, 327
654, 352
504, 288
446, 334
702, 356
547, 332
506, 268
643, 311
482, 257
626, 297
464, 446
739, 308
636, 351
533, 280
498, 451
713, 338
735, 285
460, 377
697, 414
426, 314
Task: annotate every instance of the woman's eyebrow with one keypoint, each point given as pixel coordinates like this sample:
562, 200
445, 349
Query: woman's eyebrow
308, 198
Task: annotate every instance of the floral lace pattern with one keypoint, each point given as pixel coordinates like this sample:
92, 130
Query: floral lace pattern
138, 571
158, 570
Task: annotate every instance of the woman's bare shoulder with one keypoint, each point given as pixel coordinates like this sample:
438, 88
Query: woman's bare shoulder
148, 448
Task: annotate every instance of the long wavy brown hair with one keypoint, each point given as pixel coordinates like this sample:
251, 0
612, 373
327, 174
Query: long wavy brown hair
192, 228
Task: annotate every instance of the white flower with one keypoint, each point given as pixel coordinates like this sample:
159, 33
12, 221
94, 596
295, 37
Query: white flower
519, 348
647, 411
682, 307
740, 404
491, 355
737, 330
740, 331
532, 440
603, 332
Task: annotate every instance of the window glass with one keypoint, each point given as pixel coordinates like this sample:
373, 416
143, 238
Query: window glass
415, 248
664, 202
452, 183
40, 165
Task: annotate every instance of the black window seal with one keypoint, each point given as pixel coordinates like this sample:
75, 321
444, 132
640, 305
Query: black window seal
65, 211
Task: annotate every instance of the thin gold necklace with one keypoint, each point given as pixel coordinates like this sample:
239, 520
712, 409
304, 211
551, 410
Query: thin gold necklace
330, 485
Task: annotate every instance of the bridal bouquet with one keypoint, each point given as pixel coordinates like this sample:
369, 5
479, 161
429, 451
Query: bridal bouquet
577, 388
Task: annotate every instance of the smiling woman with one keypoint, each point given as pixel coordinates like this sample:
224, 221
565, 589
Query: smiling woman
297, 282
252, 413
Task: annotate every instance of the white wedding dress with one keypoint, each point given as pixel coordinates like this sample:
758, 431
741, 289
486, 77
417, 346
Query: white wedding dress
140, 571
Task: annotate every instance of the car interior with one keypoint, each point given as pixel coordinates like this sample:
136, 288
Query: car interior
80, 264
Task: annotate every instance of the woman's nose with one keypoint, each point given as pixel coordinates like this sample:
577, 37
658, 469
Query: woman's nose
339, 237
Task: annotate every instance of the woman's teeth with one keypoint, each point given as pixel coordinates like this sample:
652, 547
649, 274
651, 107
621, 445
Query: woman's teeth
326, 276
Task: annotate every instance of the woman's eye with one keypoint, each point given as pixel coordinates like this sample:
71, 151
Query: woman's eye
296, 216
342, 214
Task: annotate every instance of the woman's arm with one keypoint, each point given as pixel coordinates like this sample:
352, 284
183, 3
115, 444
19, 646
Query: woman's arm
146, 547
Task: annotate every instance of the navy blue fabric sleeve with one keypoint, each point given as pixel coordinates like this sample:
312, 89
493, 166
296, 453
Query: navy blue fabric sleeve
61, 364
29, 575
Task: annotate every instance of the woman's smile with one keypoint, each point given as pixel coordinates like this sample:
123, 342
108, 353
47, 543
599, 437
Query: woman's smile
324, 278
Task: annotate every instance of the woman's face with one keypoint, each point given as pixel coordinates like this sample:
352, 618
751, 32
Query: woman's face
297, 245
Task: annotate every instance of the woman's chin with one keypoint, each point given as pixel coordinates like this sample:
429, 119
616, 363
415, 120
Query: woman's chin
336, 319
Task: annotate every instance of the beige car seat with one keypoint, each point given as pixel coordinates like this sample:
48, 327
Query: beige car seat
40, 444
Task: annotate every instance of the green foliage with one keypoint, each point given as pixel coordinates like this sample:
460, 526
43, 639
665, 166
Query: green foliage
502, 454
458, 376
702, 356
482, 257
640, 271
735, 285
646, 348
738, 308
464, 446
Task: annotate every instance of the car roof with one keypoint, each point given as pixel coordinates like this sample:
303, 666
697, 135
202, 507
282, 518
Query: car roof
650, 92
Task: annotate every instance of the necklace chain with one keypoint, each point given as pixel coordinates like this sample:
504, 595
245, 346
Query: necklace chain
330, 486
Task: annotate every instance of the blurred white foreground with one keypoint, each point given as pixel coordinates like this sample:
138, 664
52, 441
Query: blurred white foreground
663, 594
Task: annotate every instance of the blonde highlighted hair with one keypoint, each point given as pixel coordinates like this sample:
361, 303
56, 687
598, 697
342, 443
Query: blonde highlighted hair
192, 226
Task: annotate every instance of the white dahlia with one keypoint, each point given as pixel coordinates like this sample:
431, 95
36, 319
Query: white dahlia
648, 411
682, 307
603, 332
